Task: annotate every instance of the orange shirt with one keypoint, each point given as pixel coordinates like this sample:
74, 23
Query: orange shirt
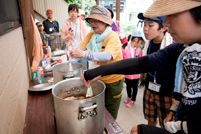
112, 45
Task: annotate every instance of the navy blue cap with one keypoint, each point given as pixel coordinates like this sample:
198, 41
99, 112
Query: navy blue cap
141, 16
110, 8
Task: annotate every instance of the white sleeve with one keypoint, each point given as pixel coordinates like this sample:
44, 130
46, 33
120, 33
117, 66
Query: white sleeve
174, 106
97, 56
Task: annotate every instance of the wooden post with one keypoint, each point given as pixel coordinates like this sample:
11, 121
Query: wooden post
27, 11
118, 10
97, 2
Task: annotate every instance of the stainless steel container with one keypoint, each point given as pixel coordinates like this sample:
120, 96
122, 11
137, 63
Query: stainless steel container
60, 71
55, 41
79, 116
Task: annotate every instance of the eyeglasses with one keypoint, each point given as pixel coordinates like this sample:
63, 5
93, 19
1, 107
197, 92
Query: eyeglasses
93, 21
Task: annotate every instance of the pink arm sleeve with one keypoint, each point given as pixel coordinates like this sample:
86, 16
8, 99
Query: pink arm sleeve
140, 54
123, 52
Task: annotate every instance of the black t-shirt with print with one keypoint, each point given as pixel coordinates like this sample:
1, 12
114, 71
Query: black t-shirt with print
190, 94
164, 62
54, 25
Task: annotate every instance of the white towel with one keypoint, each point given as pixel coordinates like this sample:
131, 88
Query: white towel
167, 40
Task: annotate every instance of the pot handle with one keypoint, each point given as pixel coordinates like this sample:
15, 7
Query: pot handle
87, 111
88, 108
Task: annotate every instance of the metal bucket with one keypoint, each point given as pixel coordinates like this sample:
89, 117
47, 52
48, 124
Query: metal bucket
79, 116
55, 41
60, 71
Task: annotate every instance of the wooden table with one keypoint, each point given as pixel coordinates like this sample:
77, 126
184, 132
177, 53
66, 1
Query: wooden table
40, 114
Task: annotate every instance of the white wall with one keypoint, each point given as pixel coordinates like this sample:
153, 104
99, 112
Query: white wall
38, 17
59, 7
135, 7
14, 82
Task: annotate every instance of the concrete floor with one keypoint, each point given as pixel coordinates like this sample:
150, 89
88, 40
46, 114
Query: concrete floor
129, 117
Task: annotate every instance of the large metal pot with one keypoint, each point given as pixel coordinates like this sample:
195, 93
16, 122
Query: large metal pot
79, 116
60, 71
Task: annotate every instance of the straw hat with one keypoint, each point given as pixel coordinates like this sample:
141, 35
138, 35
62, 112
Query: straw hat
100, 13
167, 7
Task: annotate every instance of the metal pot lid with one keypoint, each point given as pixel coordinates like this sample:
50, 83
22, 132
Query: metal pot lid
42, 87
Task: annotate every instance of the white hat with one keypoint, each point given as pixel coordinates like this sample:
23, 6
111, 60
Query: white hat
81, 12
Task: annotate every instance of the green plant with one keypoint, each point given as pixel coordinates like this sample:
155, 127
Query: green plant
69, 1
128, 28
88, 4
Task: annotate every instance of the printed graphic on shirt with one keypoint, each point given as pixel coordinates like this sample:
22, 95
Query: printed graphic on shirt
192, 73
188, 101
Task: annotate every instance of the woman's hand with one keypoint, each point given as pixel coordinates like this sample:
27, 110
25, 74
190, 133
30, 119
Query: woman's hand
70, 35
77, 53
88, 83
169, 117
71, 32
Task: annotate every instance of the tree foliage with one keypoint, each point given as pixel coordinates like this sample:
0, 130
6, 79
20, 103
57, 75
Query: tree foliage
88, 4
128, 28
69, 1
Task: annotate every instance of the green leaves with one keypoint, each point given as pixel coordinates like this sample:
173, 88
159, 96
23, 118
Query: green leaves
88, 4
128, 28
69, 1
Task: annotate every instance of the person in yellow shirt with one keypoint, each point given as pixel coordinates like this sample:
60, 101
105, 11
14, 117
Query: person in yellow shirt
102, 46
